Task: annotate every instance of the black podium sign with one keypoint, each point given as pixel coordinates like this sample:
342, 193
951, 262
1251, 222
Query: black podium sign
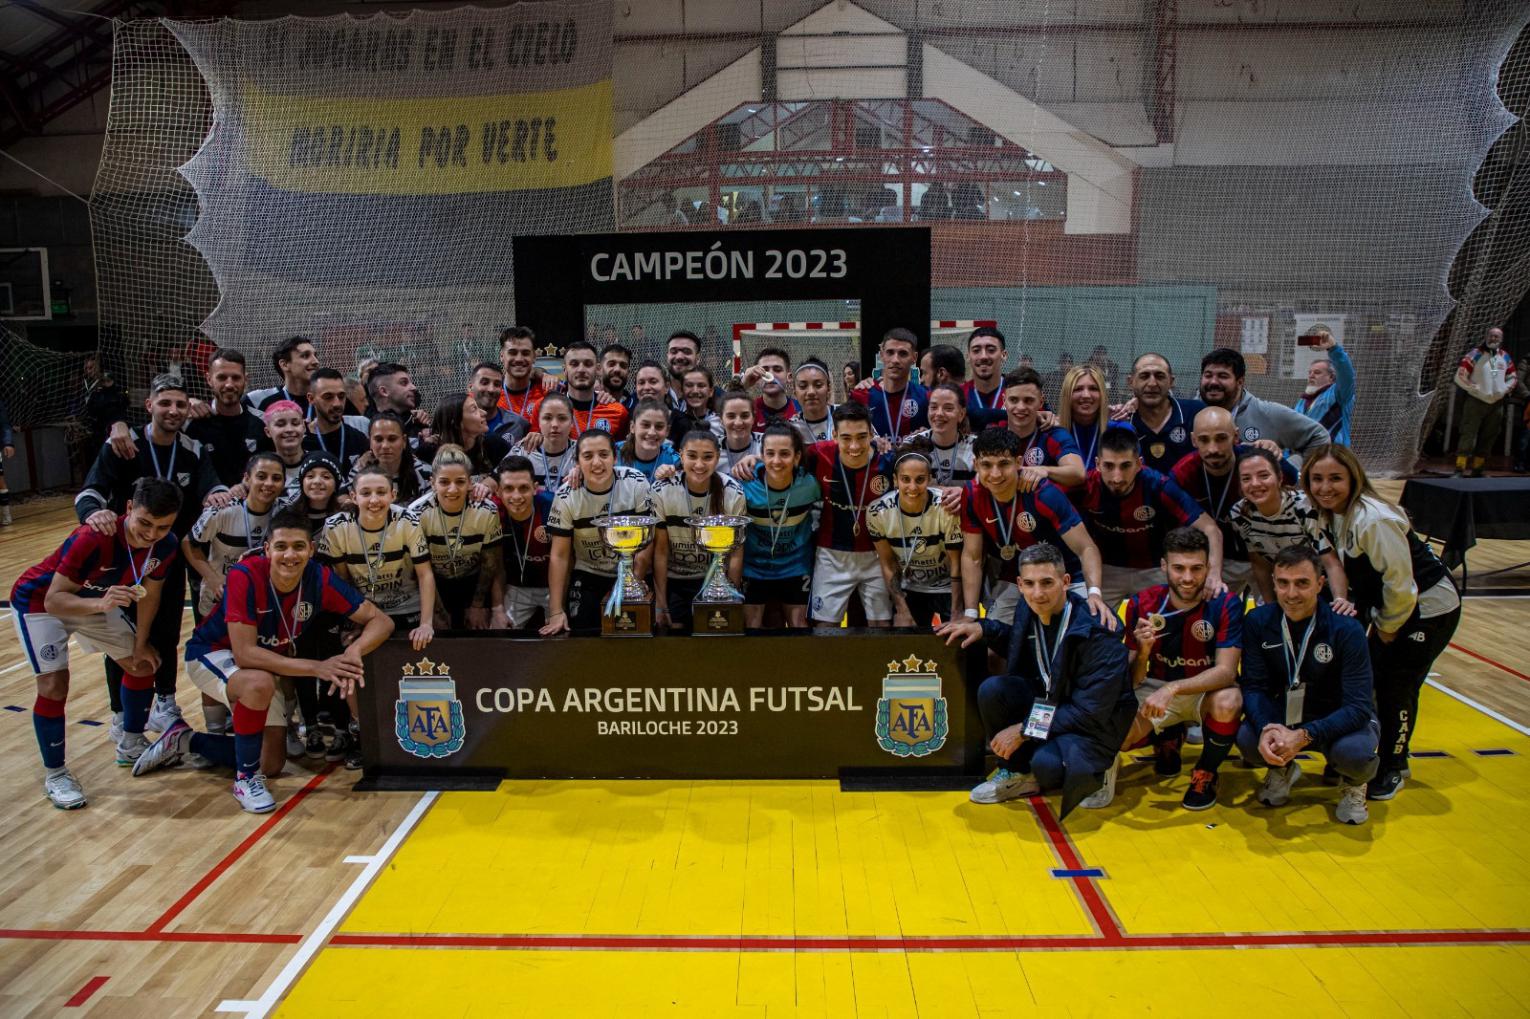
820, 706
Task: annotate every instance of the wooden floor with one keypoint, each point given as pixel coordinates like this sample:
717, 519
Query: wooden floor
762, 898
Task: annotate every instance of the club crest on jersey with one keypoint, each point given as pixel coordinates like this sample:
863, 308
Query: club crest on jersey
1034, 456
1144, 513
1177, 433
1250, 434
603, 424
182, 478
150, 565
1026, 522
911, 719
304, 611
878, 484
250, 444
1203, 630
427, 717
540, 534
1323, 653
910, 408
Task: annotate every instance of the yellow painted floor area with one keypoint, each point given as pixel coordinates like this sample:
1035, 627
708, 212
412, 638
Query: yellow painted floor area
658, 860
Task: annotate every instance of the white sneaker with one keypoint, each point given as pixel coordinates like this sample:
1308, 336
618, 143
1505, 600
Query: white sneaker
164, 712
1352, 808
1194, 735
64, 790
1276, 791
169, 749
1102, 796
1003, 785
295, 744
253, 795
131, 748
114, 731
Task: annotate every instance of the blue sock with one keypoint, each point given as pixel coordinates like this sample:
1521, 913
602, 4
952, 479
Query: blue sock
136, 702
246, 754
216, 748
48, 721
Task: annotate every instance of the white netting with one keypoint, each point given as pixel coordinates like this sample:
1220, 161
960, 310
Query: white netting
1138, 176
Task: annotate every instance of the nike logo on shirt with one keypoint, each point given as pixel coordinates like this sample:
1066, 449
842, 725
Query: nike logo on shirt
1270, 647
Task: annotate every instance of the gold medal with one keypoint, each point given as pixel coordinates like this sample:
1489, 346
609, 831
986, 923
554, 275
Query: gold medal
1157, 622
137, 591
1157, 450
1007, 552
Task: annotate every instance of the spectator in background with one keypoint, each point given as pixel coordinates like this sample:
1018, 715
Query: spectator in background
935, 203
1521, 395
1100, 358
100, 402
851, 373
1330, 396
356, 403
1486, 374
1222, 373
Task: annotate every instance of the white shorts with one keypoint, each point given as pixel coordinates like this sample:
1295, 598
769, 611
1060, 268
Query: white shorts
1237, 576
210, 672
1118, 583
521, 604
1184, 708
837, 574
1004, 597
46, 637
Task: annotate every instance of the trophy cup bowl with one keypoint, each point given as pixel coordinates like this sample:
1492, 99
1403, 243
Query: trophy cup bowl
718, 606
627, 535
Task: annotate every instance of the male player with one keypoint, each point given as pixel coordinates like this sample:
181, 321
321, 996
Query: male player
580, 368
240, 653
517, 353
985, 390
846, 561
1046, 454
523, 521
86, 589
1185, 642
771, 371
328, 431
295, 362
898, 406
1161, 420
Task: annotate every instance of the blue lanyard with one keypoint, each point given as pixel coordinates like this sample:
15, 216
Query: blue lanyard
169, 472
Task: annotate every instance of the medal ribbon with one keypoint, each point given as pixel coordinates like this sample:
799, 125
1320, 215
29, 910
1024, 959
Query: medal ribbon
858, 507
281, 618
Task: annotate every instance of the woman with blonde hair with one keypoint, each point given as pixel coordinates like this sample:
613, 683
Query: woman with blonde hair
1082, 409
1399, 587
464, 537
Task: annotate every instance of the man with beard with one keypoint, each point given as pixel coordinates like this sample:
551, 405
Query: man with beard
1486, 374
985, 390
579, 371
394, 392
1161, 420
328, 431
486, 383
517, 355
680, 354
1222, 373
1330, 395
232, 431
615, 369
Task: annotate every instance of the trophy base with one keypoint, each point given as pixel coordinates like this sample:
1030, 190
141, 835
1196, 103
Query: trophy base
634, 619
717, 619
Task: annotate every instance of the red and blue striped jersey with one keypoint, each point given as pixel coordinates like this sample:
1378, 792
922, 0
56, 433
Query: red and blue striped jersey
895, 415
1129, 528
763, 415
1043, 514
1045, 447
1188, 645
279, 619
1217, 496
96, 562
847, 493
982, 410
525, 543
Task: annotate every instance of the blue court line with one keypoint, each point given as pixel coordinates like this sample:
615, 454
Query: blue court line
1084, 872
1494, 752
14, 707
1427, 753
87, 721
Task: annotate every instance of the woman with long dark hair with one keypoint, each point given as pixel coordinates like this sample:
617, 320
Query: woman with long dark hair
461, 422
680, 564
389, 452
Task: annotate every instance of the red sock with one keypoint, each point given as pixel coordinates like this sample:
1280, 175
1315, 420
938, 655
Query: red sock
1228, 729
138, 682
248, 721
48, 707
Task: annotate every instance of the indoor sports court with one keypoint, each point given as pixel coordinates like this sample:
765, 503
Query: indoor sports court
814, 508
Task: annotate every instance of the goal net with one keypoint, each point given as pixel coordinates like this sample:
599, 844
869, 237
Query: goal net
836, 344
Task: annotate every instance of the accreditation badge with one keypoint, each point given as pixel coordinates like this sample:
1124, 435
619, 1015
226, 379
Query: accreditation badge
1039, 723
1296, 702
427, 717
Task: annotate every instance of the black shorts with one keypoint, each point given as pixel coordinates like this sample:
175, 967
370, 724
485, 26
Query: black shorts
586, 600
925, 607
787, 590
456, 594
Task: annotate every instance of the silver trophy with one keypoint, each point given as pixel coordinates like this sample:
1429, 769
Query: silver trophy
629, 610
718, 606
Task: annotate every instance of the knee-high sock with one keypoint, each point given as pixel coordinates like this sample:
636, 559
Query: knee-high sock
137, 698
48, 721
114, 673
217, 719
1219, 738
215, 747
249, 729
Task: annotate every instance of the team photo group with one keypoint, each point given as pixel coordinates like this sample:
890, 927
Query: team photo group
1146, 569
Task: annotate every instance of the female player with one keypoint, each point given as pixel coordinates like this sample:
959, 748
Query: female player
463, 536
950, 452
918, 542
814, 392
1398, 585
1270, 518
649, 382
224, 535
581, 569
680, 565
647, 447
783, 502
1082, 409
318, 496
390, 454
696, 389
464, 424
552, 459
739, 437
286, 426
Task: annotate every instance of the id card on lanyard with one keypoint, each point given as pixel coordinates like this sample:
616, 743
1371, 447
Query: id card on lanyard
1296, 690
1039, 723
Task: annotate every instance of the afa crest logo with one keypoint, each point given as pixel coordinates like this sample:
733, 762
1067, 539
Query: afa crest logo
427, 717
911, 714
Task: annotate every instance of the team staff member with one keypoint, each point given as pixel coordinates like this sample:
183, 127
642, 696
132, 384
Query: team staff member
984, 392
1307, 683
1000, 519
328, 431
1185, 642
1128, 509
241, 654
782, 502
918, 543
1222, 373
85, 590
897, 405
1163, 422
1060, 710
682, 351
523, 522
1082, 409
1398, 585
1486, 375
463, 535
1046, 454
231, 431
581, 568
680, 564
167, 453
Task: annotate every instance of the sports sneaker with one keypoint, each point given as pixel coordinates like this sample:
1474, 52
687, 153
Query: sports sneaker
1003, 785
253, 795
115, 730
353, 755
169, 749
295, 744
131, 748
64, 790
1102, 796
1386, 785
1167, 760
1352, 808
164, 712
339, 747
1202, 793
1194, 735
313, 742
1276, 791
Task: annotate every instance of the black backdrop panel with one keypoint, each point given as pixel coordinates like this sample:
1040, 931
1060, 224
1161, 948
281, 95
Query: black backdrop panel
817, 706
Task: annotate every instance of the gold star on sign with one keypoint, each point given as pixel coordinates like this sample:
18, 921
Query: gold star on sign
409, 670
929, 666
443, 670
427, 667
892, 667
911, 663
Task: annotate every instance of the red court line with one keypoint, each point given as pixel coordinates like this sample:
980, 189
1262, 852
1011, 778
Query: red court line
235, 938
1484, 658
228, 861
1087, 891
83, 994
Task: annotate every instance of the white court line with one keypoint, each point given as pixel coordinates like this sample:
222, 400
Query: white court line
262, 1006
1448, 692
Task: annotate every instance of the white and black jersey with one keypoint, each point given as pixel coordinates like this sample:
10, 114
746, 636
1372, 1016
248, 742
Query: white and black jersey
673, 502
547, 469
730, 456
458, 541
225, 535
919, 541
380, 564
1296, 523
815, 431
953, 464
574, 509
409, 487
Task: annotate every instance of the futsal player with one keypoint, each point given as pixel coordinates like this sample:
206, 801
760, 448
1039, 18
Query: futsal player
463, 536
1185, 642
517, 355
380, 550
1000, 519
241, 654
739, 439
1046, 453
950, 441
550, 449
389, 452
647, 448
918, 543
523, 522
102, 587
330, 434
984, 392
1128, 509
680, 564
771, 372
897, 404
782, 503
846, 562
815, 393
